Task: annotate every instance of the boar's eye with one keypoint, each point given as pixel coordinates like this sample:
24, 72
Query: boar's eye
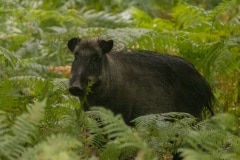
94, 58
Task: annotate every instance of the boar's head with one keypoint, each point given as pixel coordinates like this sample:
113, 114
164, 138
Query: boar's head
87, 65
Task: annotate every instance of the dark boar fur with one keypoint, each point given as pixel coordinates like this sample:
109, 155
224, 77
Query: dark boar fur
134, 83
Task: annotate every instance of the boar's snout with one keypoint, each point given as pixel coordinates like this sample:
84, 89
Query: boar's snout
76, 90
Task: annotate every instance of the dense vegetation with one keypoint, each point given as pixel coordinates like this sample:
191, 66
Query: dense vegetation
39, 119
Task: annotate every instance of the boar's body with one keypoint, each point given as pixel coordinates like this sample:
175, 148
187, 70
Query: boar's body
135, 83
141, 82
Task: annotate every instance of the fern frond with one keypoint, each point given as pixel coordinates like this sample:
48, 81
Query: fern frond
186, 15
16, 92
22, 133
59, 146
33, 68
217, 138
190, 154
114, 126
163, 42
104, 19
4, 124
111, 151
122, 140
220, 10
9, 58
164, 132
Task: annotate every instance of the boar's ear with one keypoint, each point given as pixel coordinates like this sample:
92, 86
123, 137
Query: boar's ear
72, 43
106, 46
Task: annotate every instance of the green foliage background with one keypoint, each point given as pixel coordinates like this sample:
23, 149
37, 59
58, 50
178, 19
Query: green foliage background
39, 119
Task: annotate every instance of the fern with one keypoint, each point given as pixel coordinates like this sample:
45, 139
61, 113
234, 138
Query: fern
122, 141
216, 139
8, 58
17, 92
103, 19
14, 138
186, 15
221, 9
164, 132
60, 146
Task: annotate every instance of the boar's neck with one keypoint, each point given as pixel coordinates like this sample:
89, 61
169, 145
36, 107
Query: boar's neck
111, 72
119, 69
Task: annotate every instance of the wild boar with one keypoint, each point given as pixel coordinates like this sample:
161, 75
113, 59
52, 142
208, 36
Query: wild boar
136, 82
